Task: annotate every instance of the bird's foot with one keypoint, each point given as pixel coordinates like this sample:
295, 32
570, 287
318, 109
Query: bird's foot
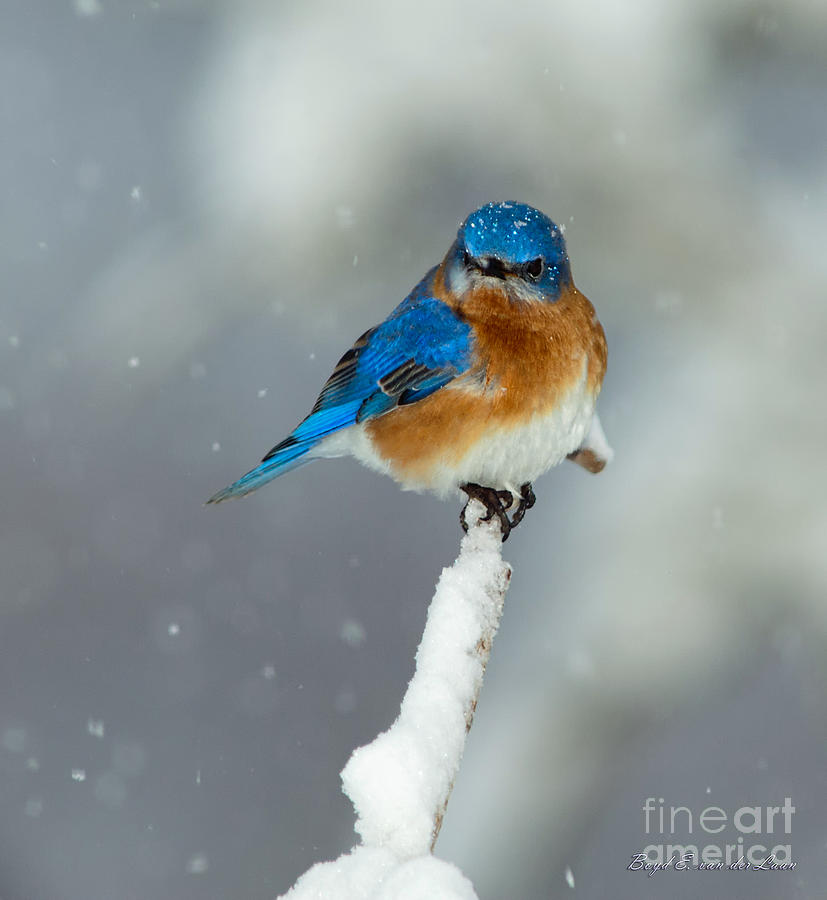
497, 503
527, 500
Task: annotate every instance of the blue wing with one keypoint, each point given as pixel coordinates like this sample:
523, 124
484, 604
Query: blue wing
418, 349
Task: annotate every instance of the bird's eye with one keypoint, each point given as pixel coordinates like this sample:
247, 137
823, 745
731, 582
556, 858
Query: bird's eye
534, 268
466, 258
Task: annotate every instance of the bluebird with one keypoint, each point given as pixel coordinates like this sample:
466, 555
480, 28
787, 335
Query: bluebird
482, 379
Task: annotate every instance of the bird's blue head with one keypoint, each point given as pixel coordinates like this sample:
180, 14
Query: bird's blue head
514, 243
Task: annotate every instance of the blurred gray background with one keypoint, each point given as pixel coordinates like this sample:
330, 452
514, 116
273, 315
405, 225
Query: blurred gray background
203, 203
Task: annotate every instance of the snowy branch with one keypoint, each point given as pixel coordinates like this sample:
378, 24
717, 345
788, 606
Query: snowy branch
400, 782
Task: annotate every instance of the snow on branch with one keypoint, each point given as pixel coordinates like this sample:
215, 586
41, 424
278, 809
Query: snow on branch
400, 783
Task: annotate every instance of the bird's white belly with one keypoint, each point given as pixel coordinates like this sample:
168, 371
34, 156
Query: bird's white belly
511, 457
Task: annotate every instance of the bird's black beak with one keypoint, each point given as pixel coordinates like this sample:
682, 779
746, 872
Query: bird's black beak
490, 265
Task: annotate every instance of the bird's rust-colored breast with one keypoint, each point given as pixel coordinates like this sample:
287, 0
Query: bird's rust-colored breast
528, 357
535, 351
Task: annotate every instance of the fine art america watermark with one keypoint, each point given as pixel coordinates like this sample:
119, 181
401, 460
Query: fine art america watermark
761, 845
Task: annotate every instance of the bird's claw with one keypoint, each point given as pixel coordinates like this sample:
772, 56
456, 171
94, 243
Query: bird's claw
497, 503
527, 500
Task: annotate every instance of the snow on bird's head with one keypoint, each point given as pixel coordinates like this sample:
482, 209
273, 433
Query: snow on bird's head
512, 232
515, 239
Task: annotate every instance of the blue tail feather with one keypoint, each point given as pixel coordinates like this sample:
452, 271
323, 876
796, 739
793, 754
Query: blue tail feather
289, 454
